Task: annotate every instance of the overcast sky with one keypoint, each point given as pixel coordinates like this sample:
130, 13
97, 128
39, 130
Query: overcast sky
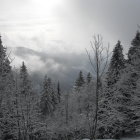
51, 35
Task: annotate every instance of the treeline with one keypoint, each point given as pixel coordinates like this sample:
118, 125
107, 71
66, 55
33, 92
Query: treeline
49, 114
56, 115
119, 111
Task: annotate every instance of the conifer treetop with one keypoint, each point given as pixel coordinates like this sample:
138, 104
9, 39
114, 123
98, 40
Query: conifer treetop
80, 80
134, 51
117, 60
0, 40
89, 78
2, 50
117, 63
136, 40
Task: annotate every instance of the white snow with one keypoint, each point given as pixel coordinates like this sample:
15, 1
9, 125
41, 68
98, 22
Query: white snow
136, 138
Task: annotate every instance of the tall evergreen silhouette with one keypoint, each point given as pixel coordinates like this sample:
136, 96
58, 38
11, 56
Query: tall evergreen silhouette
80, 81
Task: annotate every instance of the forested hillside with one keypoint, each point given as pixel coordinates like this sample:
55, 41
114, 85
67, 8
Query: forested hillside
56, 114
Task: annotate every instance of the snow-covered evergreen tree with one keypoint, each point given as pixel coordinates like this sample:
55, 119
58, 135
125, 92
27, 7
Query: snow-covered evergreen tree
26, 104
7, 123
3, 70
119, 107
48, 99
25, 83
88, 78
128, 88
80, 81
134, 51
58, 92
108, 127
117, 63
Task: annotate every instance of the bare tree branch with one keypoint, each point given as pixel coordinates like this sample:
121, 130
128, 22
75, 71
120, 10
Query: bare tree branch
88, 54
99, 65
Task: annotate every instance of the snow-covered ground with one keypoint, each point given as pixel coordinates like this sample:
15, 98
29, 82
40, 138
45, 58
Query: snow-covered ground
136, 138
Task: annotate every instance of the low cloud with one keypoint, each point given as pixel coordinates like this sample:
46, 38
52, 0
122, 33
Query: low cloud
60, 66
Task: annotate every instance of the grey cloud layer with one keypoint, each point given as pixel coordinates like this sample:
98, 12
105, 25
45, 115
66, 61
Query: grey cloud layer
77, 21
117, 18
69, 65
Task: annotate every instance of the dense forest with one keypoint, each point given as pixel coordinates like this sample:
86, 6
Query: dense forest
52, 114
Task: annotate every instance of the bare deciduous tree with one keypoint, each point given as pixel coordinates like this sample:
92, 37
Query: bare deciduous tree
98, 60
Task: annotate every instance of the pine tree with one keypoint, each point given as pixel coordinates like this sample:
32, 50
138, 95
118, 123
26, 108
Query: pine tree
48, 99
89, 78
120, 106
26, 102
117, 63
25, 84
128, 98
129, 88
3, 69
7, 124
136, 41
79, 81
108, 127
58, 92
134, 51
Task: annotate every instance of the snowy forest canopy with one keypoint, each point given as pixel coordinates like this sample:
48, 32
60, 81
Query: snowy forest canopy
53, 114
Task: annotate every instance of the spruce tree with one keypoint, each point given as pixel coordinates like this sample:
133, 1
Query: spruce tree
26, 102
58, 92
117, 63
48, 99
120, 106
7, 124
134, 51
129, 88
136, 41
128, 99
89, 78
25, 83
80, 81
108, 127
5, 68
